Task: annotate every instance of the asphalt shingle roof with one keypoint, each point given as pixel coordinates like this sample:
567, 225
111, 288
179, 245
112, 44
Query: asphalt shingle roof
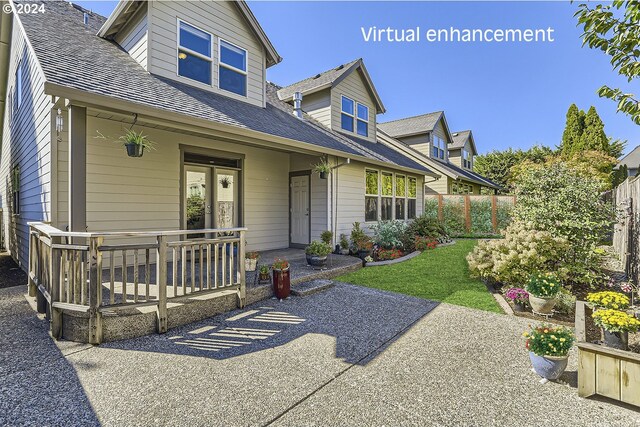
321, 79
459, 138
411, 125
71, 55
632, 160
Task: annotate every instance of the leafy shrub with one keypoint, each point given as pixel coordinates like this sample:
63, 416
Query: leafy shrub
318, 248
426, 226
523, 252
565, 302
386, 254
481, 216
504, 211
453, 216
344, 242
568, 204
358, 235
546, 340
389, 234
430, 208
544, 285
326, 237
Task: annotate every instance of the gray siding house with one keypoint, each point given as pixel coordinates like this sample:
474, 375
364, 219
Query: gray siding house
228, 145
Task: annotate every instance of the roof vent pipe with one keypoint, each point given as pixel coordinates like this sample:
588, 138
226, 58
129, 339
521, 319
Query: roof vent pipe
297, 104
85, 18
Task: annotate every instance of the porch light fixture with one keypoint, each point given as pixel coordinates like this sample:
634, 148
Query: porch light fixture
182, 55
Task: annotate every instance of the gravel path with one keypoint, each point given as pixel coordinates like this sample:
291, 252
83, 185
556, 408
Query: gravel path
347, 356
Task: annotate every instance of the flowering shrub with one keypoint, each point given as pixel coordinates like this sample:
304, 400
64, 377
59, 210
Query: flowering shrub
280, 264
425, 243
517, 295
544, 285
521, 253
385, 254
615, 320
388, 234
608, 299
252, 255
546, 340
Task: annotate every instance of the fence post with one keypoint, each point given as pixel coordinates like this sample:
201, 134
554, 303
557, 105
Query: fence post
54, 269
467, 213
440, 202
494, 213
95, 290
32, 261
242, 291
161, 278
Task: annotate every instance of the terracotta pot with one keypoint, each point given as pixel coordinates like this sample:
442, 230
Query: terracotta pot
542, 305
281, 283
549, 367
619, 340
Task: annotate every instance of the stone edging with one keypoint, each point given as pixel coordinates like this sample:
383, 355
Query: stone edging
393, 261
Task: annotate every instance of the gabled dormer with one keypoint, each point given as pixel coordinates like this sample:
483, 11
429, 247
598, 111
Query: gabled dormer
463, 149
215, 45
342, 98
427, 133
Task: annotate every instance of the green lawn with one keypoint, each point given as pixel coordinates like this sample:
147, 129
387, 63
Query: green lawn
440, 274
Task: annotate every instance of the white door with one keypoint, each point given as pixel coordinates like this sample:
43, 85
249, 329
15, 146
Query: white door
300, 210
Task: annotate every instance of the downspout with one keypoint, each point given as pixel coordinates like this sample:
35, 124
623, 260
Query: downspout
334, 190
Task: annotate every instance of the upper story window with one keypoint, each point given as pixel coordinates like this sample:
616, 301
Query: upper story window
194, 53
439, 147
18, 95
348, 107
233, 68
354, 117
363, 120
466, 159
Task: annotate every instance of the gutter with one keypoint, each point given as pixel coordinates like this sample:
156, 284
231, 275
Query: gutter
186, 122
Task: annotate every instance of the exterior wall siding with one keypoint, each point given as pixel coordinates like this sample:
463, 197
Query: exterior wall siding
220, 18
353, 86
318, 106
133, 38
26, 144
420, 143
441, 186
440, 131
143, 193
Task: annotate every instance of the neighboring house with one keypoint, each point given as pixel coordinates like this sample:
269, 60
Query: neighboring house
632, 161
191, 76
449, 154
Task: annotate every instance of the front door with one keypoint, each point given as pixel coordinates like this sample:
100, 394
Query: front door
198, 197
300, 210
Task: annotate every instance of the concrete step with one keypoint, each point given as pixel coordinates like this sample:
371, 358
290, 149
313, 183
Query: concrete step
311, 287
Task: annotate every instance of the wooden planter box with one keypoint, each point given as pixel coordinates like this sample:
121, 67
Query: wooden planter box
602, 370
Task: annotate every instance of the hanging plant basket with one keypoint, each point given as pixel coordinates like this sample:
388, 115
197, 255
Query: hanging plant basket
134, 150
323, 175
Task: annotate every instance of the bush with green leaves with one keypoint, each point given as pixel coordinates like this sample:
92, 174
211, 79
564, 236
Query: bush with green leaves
344, 241
389, 234
318, 248
481, 216
504, 212
326, 237
453, 216
431, 207
561, 201
523, 252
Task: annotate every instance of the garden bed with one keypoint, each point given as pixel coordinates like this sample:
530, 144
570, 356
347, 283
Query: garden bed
393, 261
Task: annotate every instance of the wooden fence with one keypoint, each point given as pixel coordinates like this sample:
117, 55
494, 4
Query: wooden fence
99, 273
626, 234
470, 214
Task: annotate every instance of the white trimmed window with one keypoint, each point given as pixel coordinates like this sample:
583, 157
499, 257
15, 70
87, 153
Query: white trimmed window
233, 68
466, 159
371, 195
412, 197
401, 196
194, 53
386, 201
348, 113
439, 147
395, 194
362, 125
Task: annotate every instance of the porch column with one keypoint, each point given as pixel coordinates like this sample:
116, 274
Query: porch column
77, 168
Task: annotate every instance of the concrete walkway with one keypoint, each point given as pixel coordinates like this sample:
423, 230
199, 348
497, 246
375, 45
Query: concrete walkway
347, 356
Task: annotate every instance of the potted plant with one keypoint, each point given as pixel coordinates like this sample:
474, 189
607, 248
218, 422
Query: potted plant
135, 143
317, 253
364, 245
225, 182
281, 278
543, 289
518, 297
326, 237
549, 349
263, 274
608, 299
251, 261
344, 244
323, 168
615, 326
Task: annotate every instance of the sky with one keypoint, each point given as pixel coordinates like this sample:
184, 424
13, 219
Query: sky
510, 94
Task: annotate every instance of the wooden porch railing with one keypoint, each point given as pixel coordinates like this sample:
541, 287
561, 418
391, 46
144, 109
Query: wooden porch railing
96, 273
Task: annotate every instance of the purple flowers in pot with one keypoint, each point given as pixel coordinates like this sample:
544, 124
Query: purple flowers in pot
517, 295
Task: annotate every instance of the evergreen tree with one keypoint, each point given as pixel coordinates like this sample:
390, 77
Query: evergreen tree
573, 130
593, 137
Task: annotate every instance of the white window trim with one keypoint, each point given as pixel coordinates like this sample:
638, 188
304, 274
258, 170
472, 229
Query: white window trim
411, 198
232, 68
355, 129
393, 197
353, 116
377, 195
194, 53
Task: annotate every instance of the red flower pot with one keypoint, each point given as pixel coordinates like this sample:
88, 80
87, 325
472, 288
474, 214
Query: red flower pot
281, 283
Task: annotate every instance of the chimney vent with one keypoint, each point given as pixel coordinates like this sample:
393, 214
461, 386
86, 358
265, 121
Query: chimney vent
297, 104
85, 18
